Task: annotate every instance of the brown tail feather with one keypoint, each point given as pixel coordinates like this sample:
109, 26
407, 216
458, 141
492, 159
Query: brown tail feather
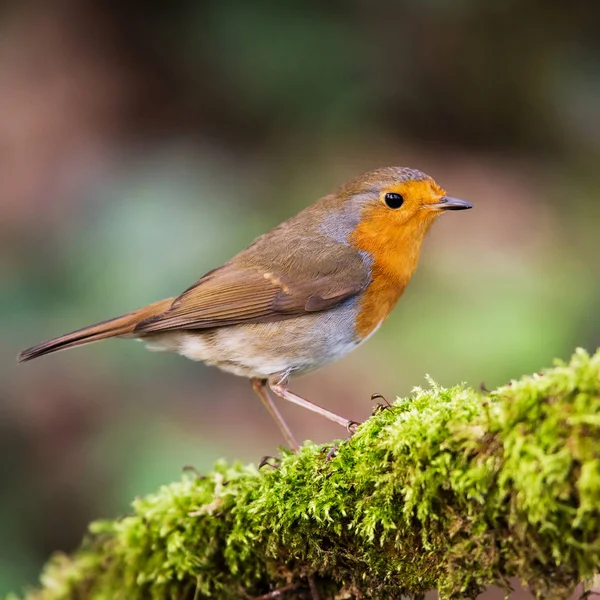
94, 333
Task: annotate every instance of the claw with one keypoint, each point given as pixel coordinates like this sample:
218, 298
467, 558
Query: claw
380, 406
192, 469
266, 462
331, 453
351, 426
380, 397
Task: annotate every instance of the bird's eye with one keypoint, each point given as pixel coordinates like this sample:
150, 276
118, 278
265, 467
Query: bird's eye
394, 200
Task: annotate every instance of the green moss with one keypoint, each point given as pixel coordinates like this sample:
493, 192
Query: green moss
449, 489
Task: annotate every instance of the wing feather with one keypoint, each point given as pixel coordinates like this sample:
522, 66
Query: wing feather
234, 294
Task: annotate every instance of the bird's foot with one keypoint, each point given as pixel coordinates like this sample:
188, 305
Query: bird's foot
352, 426
380, 406
192, 469
331, 452
269, 461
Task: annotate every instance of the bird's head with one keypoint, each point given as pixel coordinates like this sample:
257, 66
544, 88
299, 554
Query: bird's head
391, 210
398, 199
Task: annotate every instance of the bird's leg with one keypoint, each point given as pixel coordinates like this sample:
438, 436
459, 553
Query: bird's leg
280, 388
259, 386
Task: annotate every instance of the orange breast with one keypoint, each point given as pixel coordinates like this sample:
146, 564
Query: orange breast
376, 303
395, 253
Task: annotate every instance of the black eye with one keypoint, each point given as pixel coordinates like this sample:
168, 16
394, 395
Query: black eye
394, 200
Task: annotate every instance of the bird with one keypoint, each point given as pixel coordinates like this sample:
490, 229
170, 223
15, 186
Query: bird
301, 296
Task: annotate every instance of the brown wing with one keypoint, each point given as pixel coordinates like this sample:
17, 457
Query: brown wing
241, 294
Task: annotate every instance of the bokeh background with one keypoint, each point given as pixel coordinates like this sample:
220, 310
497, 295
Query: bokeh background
143, 143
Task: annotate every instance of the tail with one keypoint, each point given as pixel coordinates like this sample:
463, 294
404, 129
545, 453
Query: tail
94, 333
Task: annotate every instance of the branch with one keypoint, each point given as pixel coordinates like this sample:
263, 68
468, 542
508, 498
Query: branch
450, 489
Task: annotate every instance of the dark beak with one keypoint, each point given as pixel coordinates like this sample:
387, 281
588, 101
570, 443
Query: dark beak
449, 203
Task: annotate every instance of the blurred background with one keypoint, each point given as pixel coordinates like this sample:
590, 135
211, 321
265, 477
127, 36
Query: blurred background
143, 143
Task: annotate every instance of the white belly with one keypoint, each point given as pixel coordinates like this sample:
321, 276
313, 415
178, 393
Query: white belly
264, 350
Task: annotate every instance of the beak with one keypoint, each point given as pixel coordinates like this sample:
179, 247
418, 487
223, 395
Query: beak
449, 203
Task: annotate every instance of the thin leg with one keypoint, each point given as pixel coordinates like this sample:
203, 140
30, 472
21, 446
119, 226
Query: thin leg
259, 386
280, 388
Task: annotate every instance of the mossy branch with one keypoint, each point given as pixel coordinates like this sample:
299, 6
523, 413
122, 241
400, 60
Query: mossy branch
450, 489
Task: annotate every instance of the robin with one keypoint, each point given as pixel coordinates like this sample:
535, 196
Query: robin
302, 295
